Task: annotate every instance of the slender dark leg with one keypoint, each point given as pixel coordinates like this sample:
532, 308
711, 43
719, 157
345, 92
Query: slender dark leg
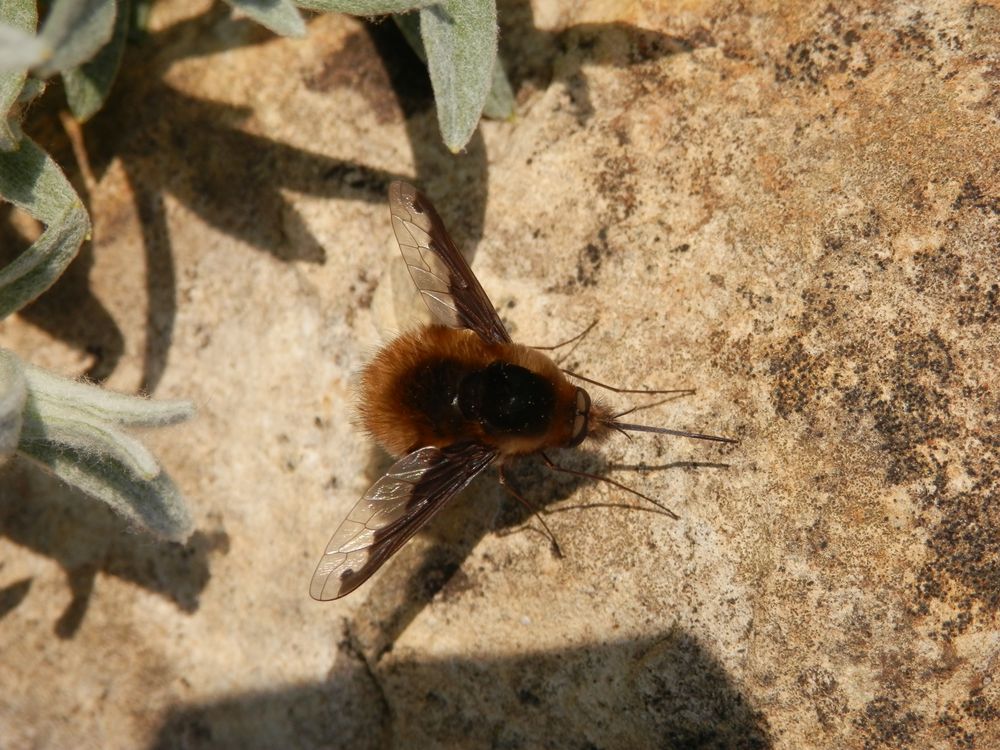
599, 384
643, 407
578, 337
530, 506
599, 478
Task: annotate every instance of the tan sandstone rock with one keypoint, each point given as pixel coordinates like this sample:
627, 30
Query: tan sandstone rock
794, 208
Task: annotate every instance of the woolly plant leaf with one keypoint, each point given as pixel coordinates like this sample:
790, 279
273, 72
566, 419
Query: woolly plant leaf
280, 16
73, 430
365, 7
74, 31
19, 49
87, 86
30, 179
155, 504
460, 37
13, 395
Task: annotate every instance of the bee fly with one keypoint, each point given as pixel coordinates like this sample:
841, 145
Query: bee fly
452, 398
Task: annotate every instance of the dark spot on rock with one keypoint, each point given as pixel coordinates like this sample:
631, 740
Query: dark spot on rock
616, 183
528, 698
885, 723
367, 288
357, 178
820, 688
579, 96
799, 378
972, 196
647, 45
810, 62
590, 259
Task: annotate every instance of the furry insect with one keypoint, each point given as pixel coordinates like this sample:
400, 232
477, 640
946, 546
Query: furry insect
452, 398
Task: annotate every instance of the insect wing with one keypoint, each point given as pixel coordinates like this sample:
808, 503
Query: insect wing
446, 283
391, 511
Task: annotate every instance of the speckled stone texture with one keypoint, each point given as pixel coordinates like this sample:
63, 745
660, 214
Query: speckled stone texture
794, 208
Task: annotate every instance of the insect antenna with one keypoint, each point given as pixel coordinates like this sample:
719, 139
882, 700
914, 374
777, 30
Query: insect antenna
685, 391
530, 506
587, 475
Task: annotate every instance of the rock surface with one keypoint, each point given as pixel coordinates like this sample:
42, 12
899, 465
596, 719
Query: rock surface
794, 209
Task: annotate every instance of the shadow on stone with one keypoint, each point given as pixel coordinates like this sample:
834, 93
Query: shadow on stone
666, 691
86, 538
431, 563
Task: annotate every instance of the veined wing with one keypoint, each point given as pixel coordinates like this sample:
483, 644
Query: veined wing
446, 283
391, 511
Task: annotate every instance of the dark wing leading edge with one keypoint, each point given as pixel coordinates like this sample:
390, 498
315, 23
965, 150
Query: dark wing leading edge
437, 267
391, 511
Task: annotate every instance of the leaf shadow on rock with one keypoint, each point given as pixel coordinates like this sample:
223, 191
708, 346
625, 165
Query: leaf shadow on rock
661, 691
538, 58
86, 538
68, 309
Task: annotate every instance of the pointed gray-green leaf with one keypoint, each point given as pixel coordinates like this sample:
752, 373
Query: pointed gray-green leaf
19, 14
365, 7
22, 16
13, 393
72, 428
280, 16
38, 267
500, 101
20, 50
74, 31
52, 422
31, 180
154, 504
460, 37
33, 88
92, 401
87, 86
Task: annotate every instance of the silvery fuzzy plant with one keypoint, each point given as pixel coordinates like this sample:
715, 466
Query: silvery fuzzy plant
83, 41
73, 429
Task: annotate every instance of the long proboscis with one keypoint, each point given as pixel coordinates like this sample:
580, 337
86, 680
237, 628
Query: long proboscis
626, 427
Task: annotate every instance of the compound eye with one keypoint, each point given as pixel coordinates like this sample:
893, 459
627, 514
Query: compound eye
580, 418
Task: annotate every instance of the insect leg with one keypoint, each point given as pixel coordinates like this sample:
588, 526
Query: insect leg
599, 478
643, 407
599, 384
530, 506
578, 338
